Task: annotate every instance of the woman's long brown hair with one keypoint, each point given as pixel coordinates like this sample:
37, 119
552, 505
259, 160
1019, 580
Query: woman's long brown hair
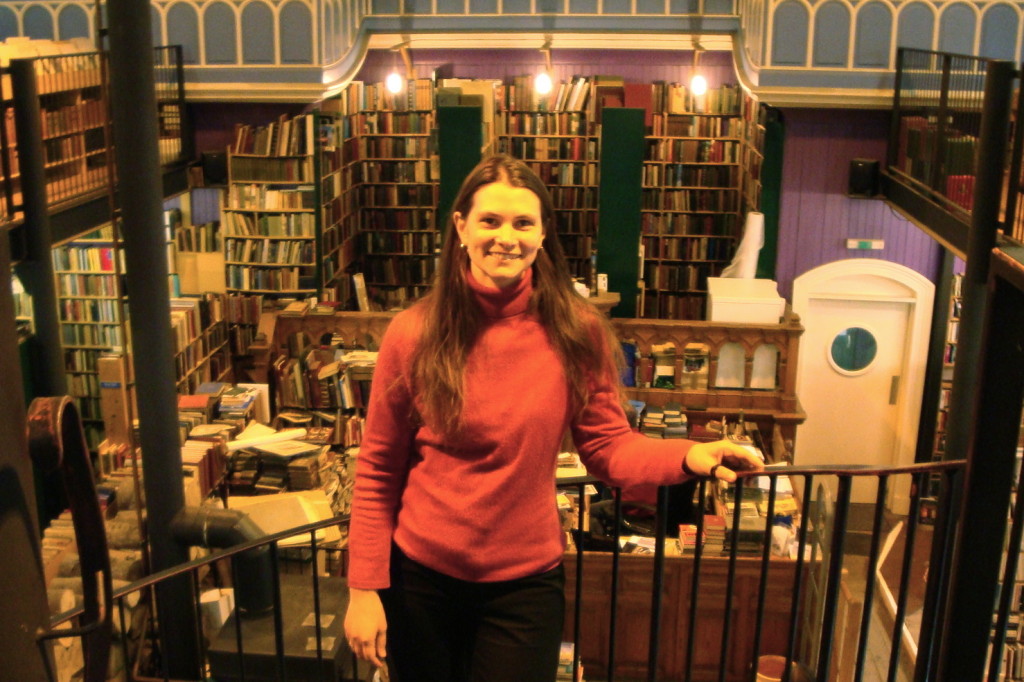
579, 334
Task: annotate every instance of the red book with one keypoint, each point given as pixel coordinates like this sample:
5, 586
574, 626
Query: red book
638, 96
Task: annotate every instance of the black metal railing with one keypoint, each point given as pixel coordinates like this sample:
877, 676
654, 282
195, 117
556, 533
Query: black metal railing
712, 612
67, 94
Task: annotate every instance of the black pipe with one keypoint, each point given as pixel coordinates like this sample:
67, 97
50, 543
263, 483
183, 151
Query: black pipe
140, 192
217, 528
36, 270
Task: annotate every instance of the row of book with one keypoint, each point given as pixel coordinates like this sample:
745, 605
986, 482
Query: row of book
682, 175
666, 305
683, 225
541, 123
89, 310
204, 238
562, 173
672, 199
417, 171
263, 197
88, 113
390, 122
692, 277
269, 225
89, 258
408, 243
689, 248
276, 279
285, 170
677, 150
550, 148
680, 125
86, 284
283, 137
269, 251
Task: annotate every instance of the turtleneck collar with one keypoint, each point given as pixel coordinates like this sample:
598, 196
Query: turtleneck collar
495, 302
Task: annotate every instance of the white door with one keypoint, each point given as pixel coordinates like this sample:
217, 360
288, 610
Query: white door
853, 352
861, 368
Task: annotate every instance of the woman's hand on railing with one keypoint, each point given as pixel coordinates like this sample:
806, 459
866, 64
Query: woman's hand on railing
365, 626
720, 459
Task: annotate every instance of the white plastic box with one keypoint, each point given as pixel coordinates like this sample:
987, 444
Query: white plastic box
751, 301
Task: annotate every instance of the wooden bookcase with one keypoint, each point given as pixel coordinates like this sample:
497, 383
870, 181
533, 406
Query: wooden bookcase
396, 188
559, 139
70, 97
697, 186
271, 221
337, 172
89, 274
201, 341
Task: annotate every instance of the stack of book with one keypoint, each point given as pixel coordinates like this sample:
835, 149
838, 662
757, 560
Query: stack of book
714, 534
676, 425
653, 424
688, 538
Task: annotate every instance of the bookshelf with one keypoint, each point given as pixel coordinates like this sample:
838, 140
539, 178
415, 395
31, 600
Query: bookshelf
270, 223
557, 136
201, 341
695, 193
89, 273
338, 172
394, 182
71, 102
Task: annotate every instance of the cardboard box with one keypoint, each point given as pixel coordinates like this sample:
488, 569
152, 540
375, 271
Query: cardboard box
750, 301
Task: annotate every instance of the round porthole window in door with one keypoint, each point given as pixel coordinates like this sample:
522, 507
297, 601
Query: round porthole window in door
852, 350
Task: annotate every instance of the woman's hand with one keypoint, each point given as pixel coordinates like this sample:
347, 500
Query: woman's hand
720, 459
365, 626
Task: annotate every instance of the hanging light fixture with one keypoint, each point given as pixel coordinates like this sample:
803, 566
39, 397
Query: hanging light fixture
542, 82
698, 83
395, 82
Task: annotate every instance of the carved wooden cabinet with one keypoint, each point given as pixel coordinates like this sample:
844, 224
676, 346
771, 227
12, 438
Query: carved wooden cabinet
634, 613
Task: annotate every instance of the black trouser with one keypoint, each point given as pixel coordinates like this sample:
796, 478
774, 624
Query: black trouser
447, 630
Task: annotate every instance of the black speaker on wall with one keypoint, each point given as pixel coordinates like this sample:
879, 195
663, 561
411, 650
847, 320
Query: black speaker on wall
215, 168
863, 180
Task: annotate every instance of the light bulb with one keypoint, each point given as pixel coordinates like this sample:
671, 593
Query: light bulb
542, 83
698, 85
394, 83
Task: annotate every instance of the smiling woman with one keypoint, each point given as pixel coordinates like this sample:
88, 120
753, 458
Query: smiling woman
455, 544
502, 233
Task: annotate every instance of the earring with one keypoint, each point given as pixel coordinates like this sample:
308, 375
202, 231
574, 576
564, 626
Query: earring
462, 246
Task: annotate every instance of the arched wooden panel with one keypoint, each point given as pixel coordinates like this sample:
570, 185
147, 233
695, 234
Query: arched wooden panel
874, 35
916, 26
257, 34
789, 34
220, 28
183, 29
956, 29
38, 23
831, 36
999, 27
296, 33
72, 22
8, 23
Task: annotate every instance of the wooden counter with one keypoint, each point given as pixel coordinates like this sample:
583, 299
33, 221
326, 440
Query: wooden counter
634, 614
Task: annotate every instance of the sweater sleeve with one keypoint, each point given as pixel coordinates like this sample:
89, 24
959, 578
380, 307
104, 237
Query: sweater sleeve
615, 453
383, 460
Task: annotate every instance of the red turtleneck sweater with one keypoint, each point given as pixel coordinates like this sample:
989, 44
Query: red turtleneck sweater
485, 510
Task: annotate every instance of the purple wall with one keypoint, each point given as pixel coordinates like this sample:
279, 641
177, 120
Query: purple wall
816, 217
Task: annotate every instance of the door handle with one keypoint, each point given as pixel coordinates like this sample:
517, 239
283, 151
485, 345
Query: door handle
894, 390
